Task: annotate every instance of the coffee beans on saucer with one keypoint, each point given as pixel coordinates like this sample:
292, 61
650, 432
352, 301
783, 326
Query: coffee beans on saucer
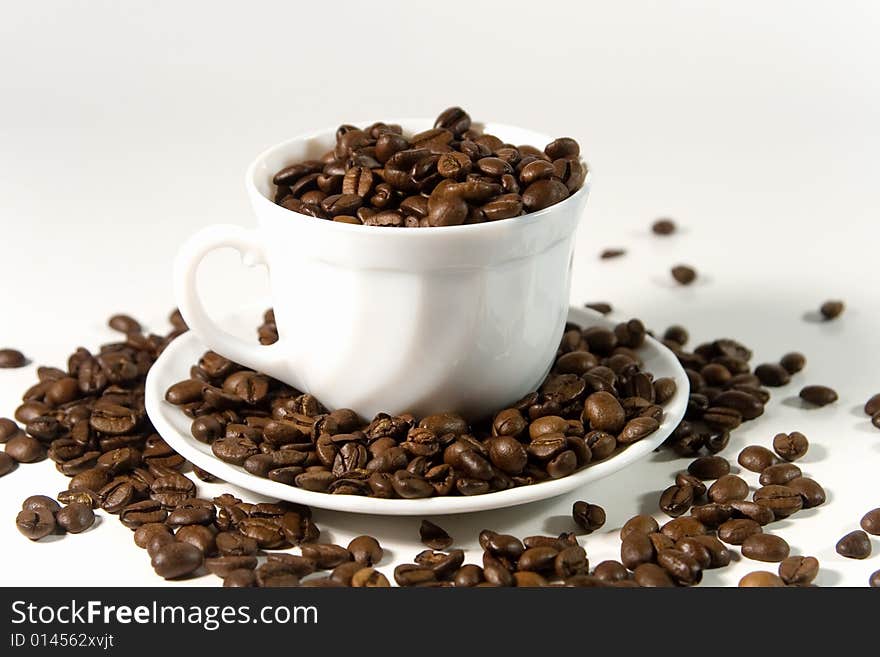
450, 175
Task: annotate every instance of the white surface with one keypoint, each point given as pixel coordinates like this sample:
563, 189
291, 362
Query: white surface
175, 362
125, 127
408, 320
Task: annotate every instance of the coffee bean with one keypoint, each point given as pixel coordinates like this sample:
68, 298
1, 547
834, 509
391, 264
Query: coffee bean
413, 575
761, 579
144, 534
369, 578
588, 517
434, 536
365, 550
681, 566
223, 566
177, 560
790, 446
687, 479
663, 227
636, 549
810, 491
709, 467
872, 407
506, 453
756, 458
141, 513
326, 555
641, 523
35, 523
765, 547
874, 580
608, 254
240, 578
712, 515
652, 575
818, 395
831, 309
676, 500
124, 324
683, 274
636, 429
798, 571
736, 531
780, 473
793, 362
728, 488
781, 500
871, 522
543, 193
76, 517
772, 374
11, 358
25, 449
7, 464
8, 429
855, 545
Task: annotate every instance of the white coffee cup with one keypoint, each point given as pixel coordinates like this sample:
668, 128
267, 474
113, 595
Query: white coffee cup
421, 320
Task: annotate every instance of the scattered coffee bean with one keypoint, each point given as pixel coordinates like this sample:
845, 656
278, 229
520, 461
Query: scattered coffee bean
434, 536
772, 374
35, 523
810, 491
176, 560
588, 517
11, 358
761, 579
124, 324
7, 464
709, 467
663, 227
683, 274
76, 517
605, 308
676, 500
872, 407
765, 547
874, 580
365, 550
728, 488
779, 473
790, 446
608, 254
793, 362
736, 531
855, 545
831, 309
798, 571
818, 395
756, 458
781, 500
871, 522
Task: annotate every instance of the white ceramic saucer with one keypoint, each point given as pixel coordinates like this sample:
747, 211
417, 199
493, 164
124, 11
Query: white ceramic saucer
174, 364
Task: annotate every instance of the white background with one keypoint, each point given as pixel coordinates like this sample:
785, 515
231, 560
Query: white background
124, 127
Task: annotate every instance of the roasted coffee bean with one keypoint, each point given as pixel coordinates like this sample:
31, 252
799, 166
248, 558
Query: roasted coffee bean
35, 502
172, 489
870, 522
772, 374
176, 560
570, 561
588, 517
872, 407
224, 566
644, 524
687, 479
365, 550
201, 536
712, 515
728, 488
683, 274
326, 555
831, 309
781, 500
790, 446
709, 467
604, 412
663, 227
25, 449
765, 547
124, 324
76, 517
234, 544
818, 395
781, 474
35, 523
414, 575
636, 549
434, 536
738, 530
676, 500
793, 362
753, 511
855, 545
369, 578
761, 579
798, 571
7, 464
543, 193
11, 358
610, 571
683, 527
653, 576
636, 429
192, 512
682, 567
8, 429
756, 458
141, 513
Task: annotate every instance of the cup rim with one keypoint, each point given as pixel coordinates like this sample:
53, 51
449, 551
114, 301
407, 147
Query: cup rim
486, 226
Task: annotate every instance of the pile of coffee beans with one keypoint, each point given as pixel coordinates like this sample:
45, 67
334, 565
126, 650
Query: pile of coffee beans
450, 175
597, 400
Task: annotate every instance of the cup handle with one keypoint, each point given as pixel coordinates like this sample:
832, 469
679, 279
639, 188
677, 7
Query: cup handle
263, 358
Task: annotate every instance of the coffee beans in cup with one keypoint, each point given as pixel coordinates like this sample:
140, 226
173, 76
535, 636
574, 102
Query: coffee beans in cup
450, 175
